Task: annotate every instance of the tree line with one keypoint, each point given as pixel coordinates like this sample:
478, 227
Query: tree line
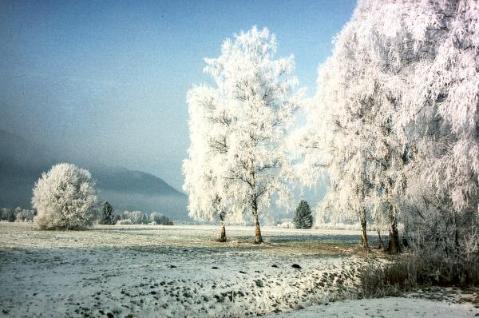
64, 198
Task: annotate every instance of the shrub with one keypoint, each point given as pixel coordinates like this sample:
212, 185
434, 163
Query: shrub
445, 244
136, 217
25, 215
158, 218
303, 219
7, 214
419, 269
379, 280
64, 198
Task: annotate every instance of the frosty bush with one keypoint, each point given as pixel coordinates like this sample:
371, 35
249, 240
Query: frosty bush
286, 224
64, 198
7, 214
16, 215
25, 215
303, 219
136, 217
158, 218
140, 217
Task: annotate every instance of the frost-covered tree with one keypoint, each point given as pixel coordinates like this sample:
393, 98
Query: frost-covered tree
203, 169
303, 219
397, 112
258, 95
237, 128
444, 101
64, 198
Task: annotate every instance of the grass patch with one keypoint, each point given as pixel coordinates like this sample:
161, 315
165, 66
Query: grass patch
407, 272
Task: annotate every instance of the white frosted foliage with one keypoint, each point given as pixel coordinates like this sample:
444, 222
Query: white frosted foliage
238, 127
64, 198
395, 118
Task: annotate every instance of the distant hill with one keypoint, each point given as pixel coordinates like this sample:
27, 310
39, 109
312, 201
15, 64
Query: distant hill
22, 163
131, 181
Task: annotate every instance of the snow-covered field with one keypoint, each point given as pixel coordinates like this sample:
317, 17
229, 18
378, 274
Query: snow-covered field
391, 307
171, 271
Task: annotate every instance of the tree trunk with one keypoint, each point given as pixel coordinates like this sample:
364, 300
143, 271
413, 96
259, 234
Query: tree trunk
364, 233
381, 243
456, 233
258, 238
394, 246
222, 236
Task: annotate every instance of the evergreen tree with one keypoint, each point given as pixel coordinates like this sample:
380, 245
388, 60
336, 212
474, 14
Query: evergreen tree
303, 219
107, 214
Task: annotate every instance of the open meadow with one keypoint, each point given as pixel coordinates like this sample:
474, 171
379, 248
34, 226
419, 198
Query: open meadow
174, 271
170, 270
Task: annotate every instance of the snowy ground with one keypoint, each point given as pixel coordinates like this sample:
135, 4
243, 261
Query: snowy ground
171, 271
391, 307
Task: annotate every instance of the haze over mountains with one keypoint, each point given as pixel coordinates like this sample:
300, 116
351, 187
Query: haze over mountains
21, 164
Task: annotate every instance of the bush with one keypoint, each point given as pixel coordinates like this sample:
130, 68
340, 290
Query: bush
7, 215
414, 270
303, 219
445, 244
136, 217
25, 215
158, 218
64, 198
379, 280
285, 224
140, 217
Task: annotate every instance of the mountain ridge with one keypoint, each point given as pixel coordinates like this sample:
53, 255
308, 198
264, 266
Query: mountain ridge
22, 163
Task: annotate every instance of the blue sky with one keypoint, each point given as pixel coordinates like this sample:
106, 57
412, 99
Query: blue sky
105, 81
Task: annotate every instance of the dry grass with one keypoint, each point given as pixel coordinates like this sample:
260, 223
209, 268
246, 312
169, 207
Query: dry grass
409, 271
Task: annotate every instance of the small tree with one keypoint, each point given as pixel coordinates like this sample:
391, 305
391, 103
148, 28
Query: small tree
107, 214
259, 94
303, 219
64, 198
10, 215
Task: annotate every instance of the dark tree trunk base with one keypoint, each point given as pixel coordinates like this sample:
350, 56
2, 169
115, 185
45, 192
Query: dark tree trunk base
394, 246
258, 238
364, 235
222, 236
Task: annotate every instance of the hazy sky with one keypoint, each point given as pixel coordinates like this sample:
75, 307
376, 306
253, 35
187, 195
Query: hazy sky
105, 81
